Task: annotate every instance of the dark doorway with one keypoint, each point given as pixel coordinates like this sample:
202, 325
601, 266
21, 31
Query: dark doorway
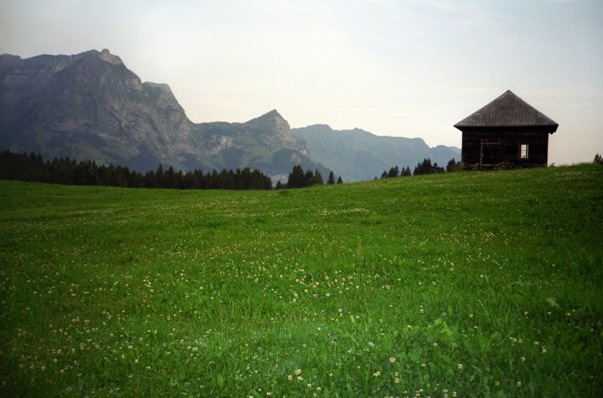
490, 153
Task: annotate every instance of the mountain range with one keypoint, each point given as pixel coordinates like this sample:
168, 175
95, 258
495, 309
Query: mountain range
90, 106
359, 155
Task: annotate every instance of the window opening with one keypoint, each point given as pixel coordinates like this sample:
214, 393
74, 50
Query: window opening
523, 151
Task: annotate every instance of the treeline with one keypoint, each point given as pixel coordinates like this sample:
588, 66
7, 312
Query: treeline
422, 168
298, 178
67, 171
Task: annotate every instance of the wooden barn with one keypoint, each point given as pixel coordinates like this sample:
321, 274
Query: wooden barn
507, 132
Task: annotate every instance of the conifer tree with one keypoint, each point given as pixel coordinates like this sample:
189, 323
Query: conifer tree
451, 165
315, 180
331, 178
308, 177
296, 178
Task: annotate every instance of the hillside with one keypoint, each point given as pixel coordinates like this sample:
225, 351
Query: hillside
263, 143
459, 284
90, 106
358, 155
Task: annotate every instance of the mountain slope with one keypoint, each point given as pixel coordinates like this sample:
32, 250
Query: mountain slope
90, 106
263, 143
358, 155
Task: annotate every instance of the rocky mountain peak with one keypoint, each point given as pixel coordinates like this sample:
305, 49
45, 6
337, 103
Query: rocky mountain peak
273, 127
270, 117
103, 55
106, 56
273, 114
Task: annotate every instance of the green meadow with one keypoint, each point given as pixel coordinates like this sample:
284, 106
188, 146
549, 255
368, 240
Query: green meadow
454, 285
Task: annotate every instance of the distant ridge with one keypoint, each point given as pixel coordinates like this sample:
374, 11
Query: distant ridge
358, 155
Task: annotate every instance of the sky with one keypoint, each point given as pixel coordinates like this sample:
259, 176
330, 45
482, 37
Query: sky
409, 68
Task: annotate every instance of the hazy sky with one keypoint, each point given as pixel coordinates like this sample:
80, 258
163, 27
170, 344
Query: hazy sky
409, 68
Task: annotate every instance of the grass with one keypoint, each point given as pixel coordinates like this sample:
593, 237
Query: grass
465, 284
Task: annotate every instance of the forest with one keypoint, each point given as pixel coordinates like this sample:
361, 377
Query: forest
422, 168
66, 171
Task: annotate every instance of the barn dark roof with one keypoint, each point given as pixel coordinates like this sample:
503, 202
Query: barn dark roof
507, 110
